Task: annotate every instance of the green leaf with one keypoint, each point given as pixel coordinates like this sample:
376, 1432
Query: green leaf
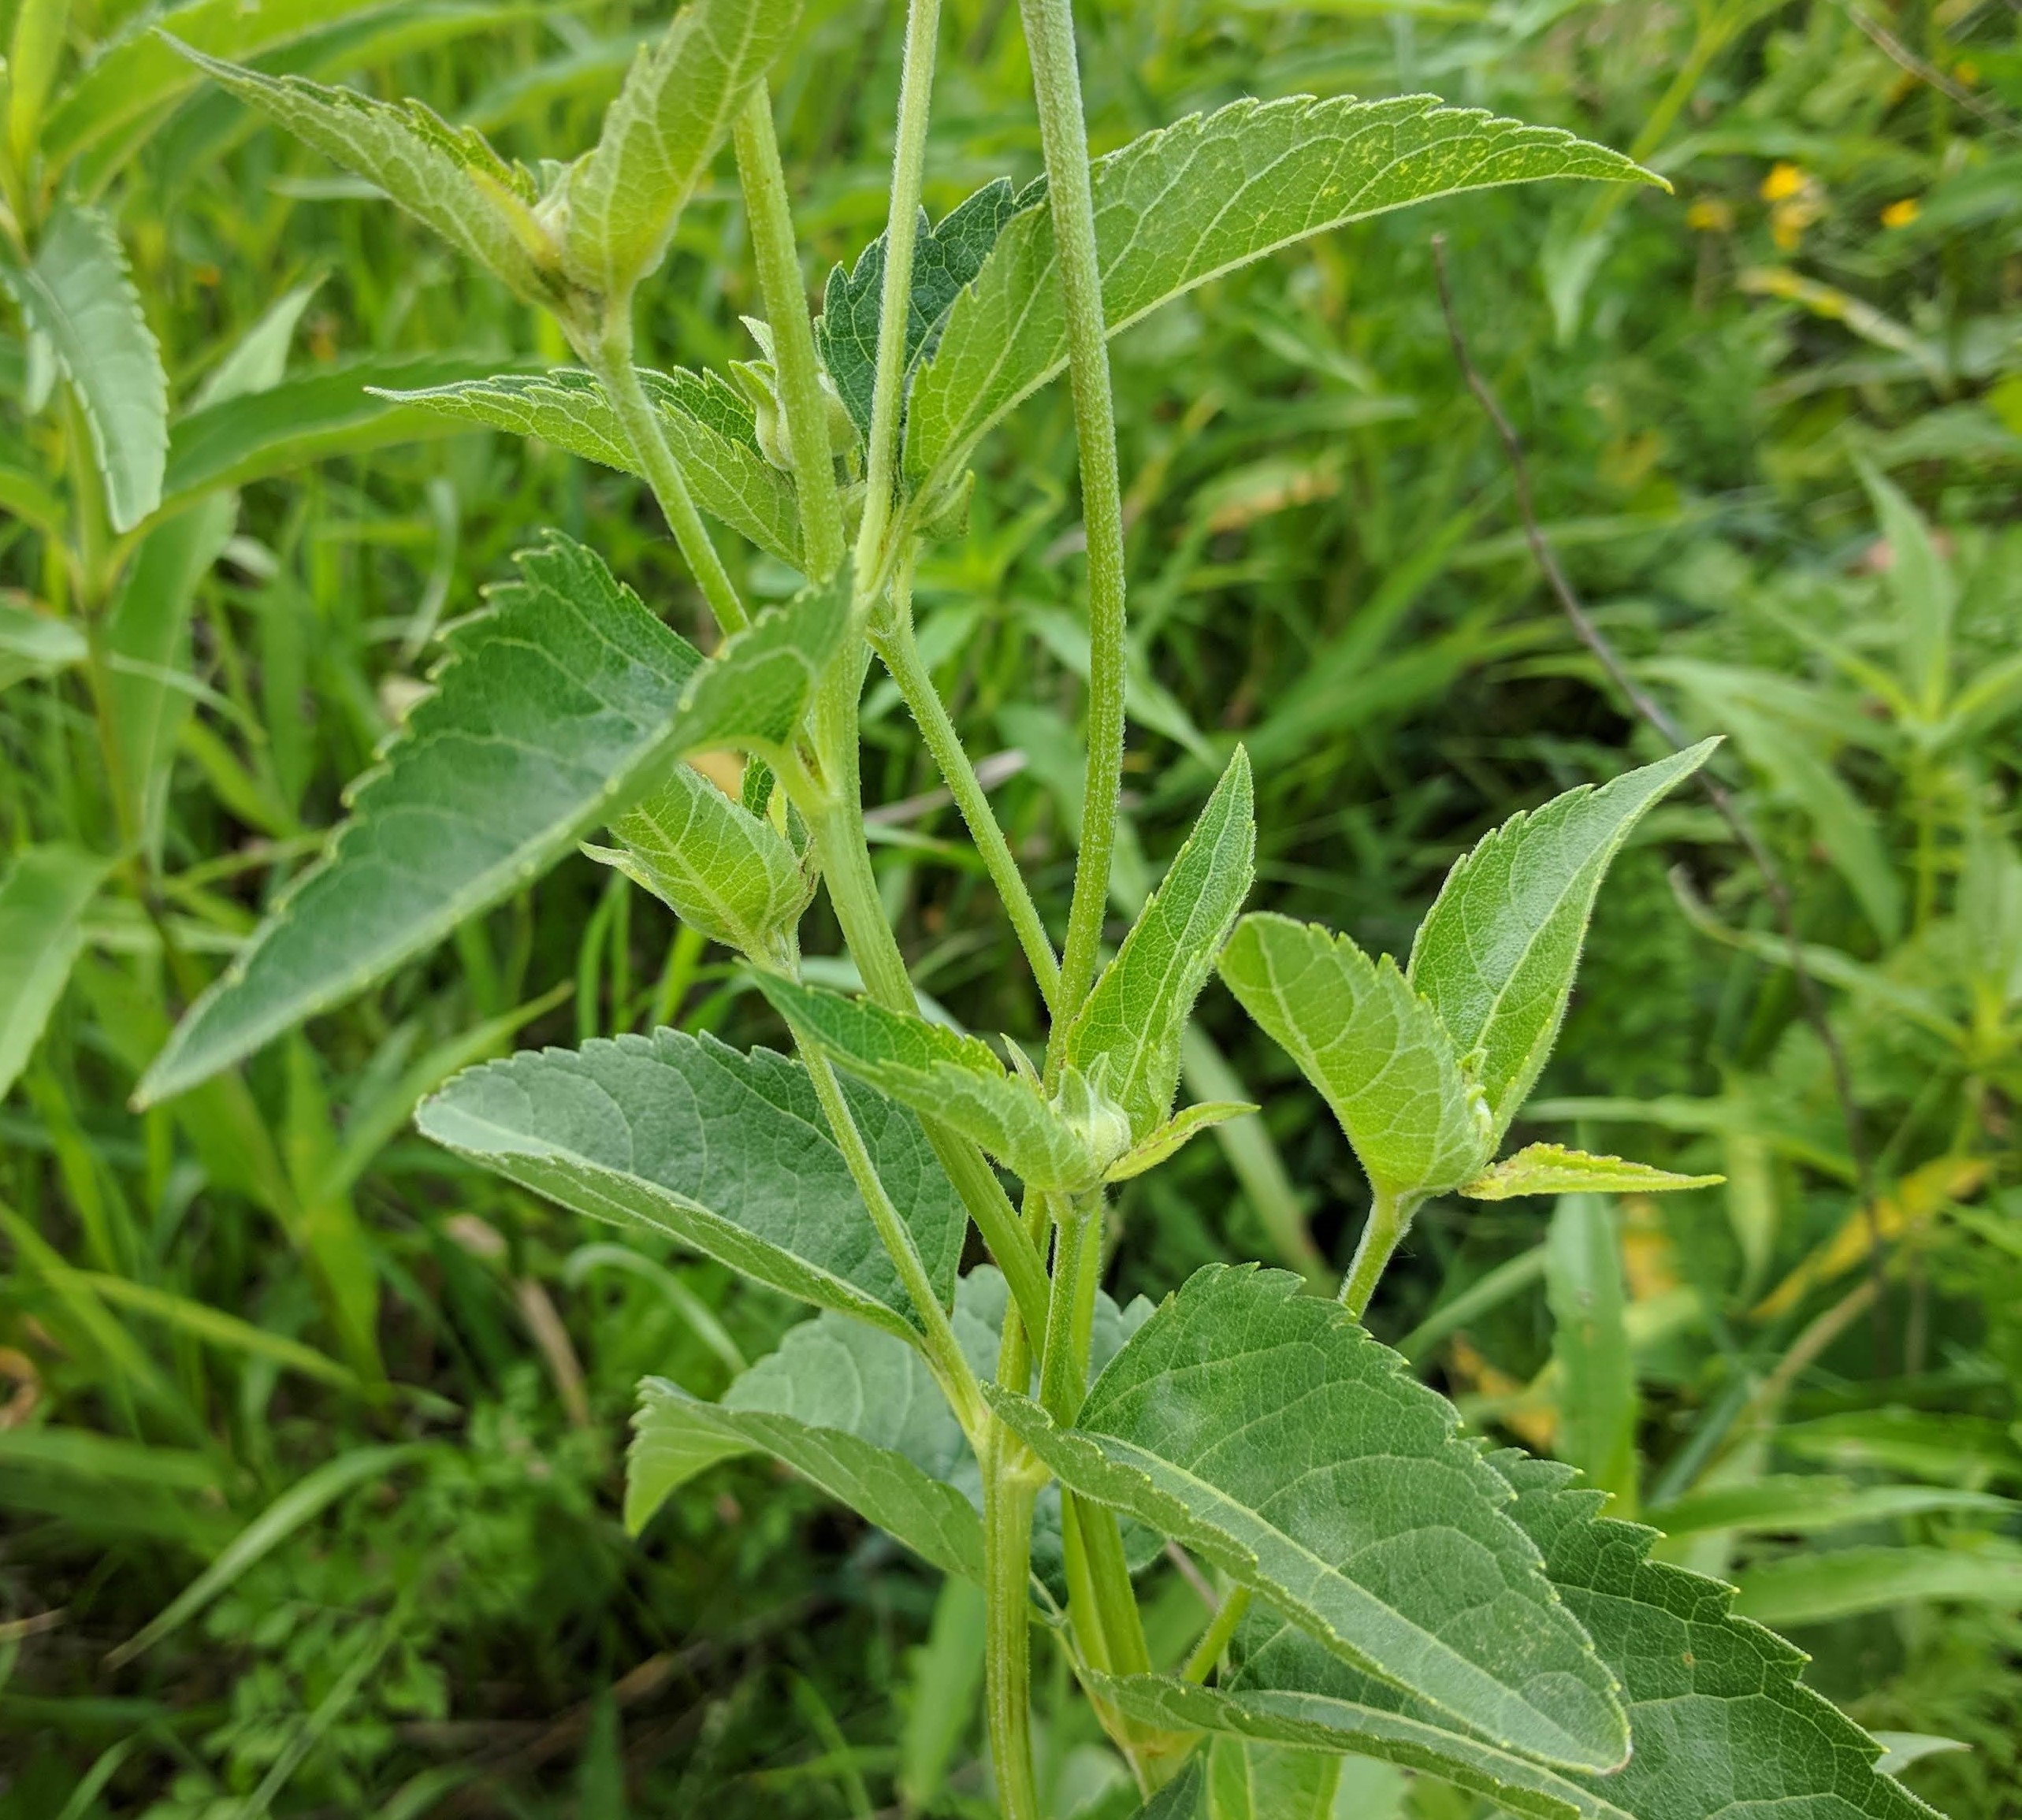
1178, 1130
726, 1152
142, 72
1801, 1503
333, 410
548, 710
1496, 952
1818, 1587
1180, 206
1248, 1780
447, 177
1553, 1169
945, 258
853, 1410
1061, 1145
1266, 1431
718, 867
623, 200
1721, 1724
1924, 590
1180, 1799
1596, 1395
33, 54
33, 643
78, 296
1126, 1037
708, 425
1375, 1049
1317, 1722
43, 902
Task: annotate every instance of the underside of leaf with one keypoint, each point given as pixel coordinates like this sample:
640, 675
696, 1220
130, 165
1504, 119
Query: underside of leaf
1553, 1169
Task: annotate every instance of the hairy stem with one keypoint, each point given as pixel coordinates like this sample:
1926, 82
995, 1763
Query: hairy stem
610, 357
776, 253
1389, 1217
1008, 1495
899, 649
1063, 136
916, 90
1215, 1639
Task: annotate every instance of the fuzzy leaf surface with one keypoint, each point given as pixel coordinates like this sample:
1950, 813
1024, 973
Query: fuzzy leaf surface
726, 1152
1553, 1169
42, 900
708, 425
547, 710
1375, 1050
948, 1076
448, 178
1496, 952
1180, 206
1126, 1037
1267, 1431
717, 865
680, 98
945, 258
1721, 1724
1319, 1722
1174, 1134
78, 294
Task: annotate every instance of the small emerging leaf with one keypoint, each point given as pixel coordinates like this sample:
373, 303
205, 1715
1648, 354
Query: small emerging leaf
708, 424
1267, 1431
726, 1152
621, 199
1496, 952
1553, 1169
1127, 1035
1181, 1129
957, 1080
78, 295
1375, 1050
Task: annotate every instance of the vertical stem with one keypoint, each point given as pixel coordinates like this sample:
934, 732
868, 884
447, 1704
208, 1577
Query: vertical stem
610, 357
1216, 1638
916, 90
1063, 135
1008, 1495
777, 256
1389, 1215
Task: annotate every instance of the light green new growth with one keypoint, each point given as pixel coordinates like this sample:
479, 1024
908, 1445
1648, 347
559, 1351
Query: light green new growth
1553, 1169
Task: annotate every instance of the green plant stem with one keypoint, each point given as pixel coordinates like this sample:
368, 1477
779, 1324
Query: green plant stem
1215, 1639
1063, 136
775, 252
837, 828
1389, 1217
610, 357
944, 1353
916, 91
1008, 1495
899, 649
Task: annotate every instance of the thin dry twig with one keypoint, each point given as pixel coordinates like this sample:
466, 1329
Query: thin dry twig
1655, 715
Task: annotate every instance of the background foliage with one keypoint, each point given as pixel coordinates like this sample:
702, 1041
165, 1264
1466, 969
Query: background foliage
310, 1445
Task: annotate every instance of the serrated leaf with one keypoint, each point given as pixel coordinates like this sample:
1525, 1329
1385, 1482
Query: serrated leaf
718, 867
312, 416
1554, 1169
548, 710
77, 294
1318, 1722
1178, 1130
726, 1152
623, 197
1177, 207
1126, 1037
448, 178
945, 258
1721, 1724
1266, 1431
956, 1079
1496, 952
708, 426
1375, 1049
42, 901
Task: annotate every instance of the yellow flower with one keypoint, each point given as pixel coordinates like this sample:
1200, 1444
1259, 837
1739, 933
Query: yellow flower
1901, 214
1709, 215
1784, 181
